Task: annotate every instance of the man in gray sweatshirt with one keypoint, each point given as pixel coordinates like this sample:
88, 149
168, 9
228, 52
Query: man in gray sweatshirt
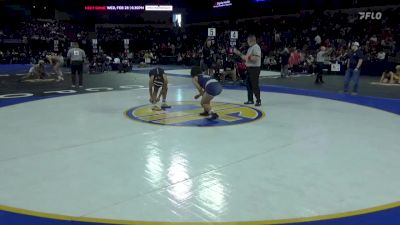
77, 57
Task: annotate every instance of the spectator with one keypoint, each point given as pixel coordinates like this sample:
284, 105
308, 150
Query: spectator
208, 57
274, 62
229, 70
123, 66
179, 59
147, 57
317, 40
321, 59
266, 63
381, 55
294, 61
354, 63
108, 61
117, 60
241, 71
285, 62
309, 63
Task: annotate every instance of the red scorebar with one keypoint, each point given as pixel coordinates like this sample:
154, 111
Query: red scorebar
96, 8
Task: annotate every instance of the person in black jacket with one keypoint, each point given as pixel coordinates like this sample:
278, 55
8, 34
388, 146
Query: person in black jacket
285, 55
208, 57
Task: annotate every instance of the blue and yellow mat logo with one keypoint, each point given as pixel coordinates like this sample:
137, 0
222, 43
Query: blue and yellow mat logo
187, 114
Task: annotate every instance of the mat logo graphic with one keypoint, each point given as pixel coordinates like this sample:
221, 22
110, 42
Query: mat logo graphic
370, 15
187, 114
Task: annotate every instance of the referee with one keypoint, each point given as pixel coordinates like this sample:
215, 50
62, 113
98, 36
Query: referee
77, 56
253, 64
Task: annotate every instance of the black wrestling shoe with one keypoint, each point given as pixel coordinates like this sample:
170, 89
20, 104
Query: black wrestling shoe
204, 114
249, 103
258, 103
165, 106
213, 116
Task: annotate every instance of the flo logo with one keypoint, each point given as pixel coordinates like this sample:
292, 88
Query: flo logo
187, 114
370, 15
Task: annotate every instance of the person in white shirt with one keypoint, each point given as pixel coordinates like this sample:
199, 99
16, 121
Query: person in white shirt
253, 64
381, 55
117, 60
374, 38
318, 40
108, 63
